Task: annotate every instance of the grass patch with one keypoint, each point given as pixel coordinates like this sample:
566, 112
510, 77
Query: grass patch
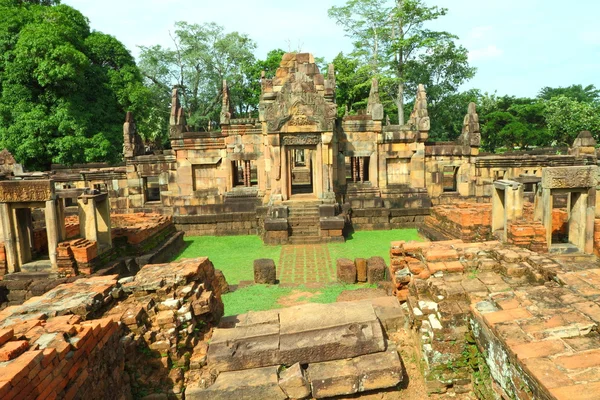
266, 297
365, 244
234, 255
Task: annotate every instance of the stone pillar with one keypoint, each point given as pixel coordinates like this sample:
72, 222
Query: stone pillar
60, 212
318, 159
578, 220
547, 214
52, 231
8, 237
361, 168
498, 209
87, 219
590, 220
373, 170
103, 223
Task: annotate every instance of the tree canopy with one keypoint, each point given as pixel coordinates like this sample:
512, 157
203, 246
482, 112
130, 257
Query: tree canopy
394, 40
64, 89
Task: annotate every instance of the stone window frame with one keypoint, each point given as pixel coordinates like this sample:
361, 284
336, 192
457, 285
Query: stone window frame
447, 171
153, 198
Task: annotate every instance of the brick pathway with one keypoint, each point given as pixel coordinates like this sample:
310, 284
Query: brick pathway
305, 264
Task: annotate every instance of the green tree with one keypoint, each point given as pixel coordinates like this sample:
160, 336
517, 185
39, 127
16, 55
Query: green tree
509, 122
566, 117
393, 38
245, 95
353, 84
447, 114
203, 55
64, 89
588, 94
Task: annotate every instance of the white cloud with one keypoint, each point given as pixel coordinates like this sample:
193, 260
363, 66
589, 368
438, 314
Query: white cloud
485, 53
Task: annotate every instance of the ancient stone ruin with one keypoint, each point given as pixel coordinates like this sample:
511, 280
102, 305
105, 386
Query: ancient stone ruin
502, 302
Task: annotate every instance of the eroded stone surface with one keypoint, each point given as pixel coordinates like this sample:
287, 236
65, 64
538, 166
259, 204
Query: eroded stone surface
360, 374
259, 383
320, 332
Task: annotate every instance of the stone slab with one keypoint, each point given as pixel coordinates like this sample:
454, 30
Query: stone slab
343, 377
244, 347
258, 383
322, 332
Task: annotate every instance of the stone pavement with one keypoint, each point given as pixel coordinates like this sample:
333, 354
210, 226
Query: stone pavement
305, 264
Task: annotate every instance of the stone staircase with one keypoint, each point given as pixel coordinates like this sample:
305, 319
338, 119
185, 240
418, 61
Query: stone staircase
303, 222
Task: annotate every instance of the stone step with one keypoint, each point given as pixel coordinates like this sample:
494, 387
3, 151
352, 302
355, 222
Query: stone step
305, 239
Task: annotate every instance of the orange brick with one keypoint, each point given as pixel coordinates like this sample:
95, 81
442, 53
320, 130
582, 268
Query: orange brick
12, 350
6, 335
539, 349
454, 266
506, 315
580, 360
588, 391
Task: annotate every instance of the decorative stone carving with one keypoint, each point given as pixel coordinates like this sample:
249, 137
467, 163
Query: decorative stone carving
25, 191
570, 177
298, 96
300, 140
471, 134
132, 142
374, 106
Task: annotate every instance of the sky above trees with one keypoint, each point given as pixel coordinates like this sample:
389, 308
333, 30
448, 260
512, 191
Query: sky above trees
518, 46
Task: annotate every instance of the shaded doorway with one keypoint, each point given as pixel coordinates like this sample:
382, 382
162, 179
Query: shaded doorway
301, 171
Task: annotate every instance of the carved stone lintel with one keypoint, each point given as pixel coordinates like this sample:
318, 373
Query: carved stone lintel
25, 191
300, 140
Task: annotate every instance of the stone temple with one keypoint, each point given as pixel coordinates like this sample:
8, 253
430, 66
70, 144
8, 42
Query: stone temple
503, 302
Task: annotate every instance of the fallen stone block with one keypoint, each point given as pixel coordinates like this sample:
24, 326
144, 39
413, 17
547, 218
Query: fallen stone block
346, 271
333, 378
343, 377
258, 383
361, 269
322, 332
389, 312
293, 382
244, 347
265, 271
375, 269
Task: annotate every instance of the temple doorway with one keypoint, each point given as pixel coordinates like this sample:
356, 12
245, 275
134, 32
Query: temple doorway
301, 171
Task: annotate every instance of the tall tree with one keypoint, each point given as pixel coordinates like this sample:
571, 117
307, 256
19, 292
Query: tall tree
64, 89
394, 38
245, 95
202, 56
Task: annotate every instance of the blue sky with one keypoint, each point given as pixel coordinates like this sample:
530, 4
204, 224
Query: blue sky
518, 46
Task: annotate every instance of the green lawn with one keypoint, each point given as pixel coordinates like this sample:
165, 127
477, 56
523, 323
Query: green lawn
266, 297
234, 255
365, 244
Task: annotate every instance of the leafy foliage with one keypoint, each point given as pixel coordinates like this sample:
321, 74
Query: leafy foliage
64, 89
392, 39
203, 55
